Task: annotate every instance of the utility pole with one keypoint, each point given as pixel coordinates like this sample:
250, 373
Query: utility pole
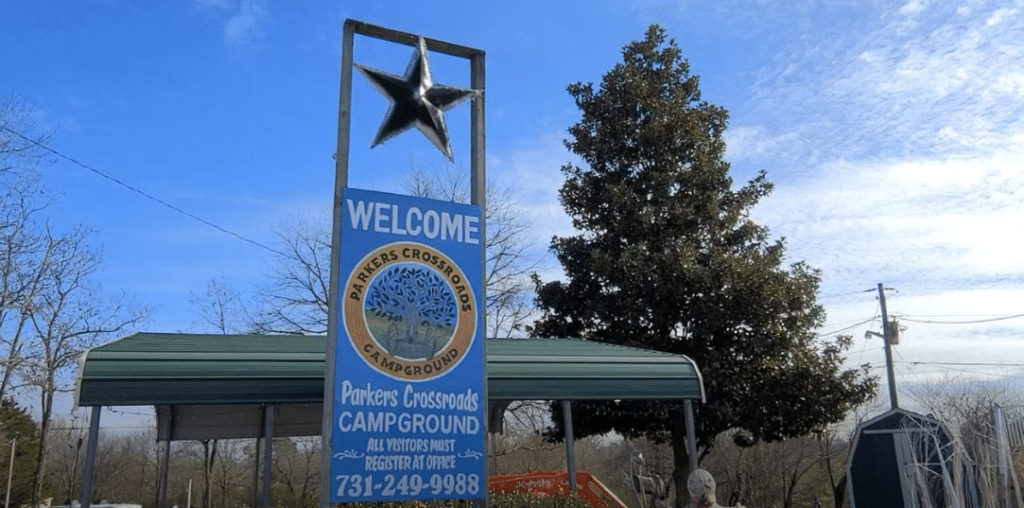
888, 338
10, 472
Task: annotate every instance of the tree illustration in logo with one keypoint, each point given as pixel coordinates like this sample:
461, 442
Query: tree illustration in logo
410, 311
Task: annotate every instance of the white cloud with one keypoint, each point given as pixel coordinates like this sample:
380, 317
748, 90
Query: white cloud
999, 16
215, 4
894, 134
246, 26
912, 7
938, 222
534, 173
885, 91
754, 143
910, 141
1010, 83
246, 21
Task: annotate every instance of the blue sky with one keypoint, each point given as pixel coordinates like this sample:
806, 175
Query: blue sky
893, 131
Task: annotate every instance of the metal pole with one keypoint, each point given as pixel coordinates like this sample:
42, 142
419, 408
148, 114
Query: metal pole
256, 460
492, 443
888, 349
163, 473
90, 457
1002, 469
478, 155
570, 452
344, 108
478, 196
268, 453
340, 183
10, 472
165, 466
691, 434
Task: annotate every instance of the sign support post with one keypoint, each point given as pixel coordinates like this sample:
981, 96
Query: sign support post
405, 381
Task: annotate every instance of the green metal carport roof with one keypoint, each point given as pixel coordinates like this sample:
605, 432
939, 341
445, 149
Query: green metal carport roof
251, 386
188, 369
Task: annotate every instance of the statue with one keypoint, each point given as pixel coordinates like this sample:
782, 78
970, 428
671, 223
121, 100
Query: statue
702, 490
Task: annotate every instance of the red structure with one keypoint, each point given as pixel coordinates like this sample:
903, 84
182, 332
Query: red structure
545, 484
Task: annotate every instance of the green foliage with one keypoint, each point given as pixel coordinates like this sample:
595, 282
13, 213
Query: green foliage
667, 258
16, 424
528, 501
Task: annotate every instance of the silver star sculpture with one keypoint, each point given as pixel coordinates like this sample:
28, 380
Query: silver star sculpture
416, 100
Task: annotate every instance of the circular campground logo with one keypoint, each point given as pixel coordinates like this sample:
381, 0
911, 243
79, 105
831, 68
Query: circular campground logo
409, 311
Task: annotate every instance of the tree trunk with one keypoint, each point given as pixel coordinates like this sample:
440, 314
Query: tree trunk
44, 426
209, 457
681, 468
12, 355
790, 483
839, 492
11, 358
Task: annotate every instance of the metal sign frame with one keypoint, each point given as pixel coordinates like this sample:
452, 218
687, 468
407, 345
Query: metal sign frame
477, 197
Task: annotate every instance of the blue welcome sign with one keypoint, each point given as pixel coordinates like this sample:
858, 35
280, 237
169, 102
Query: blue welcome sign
408, 401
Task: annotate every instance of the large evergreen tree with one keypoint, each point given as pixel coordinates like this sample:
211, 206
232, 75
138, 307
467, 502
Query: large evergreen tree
667, 258
20, 433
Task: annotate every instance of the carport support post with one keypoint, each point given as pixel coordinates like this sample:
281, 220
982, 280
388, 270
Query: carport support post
570, 452
90, 457
268, 450
691, 434
164, 468
492, 443
256, 460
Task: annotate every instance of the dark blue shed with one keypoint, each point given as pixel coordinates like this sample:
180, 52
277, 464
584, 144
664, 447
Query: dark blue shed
902, 459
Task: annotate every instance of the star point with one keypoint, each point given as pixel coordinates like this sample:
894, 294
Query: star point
416, 101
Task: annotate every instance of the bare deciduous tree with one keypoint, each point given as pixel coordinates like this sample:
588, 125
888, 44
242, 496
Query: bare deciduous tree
509, 264
23, 258
295, 298
221, 307
966, 407
131, 474
68, 316
65, 456
20, 139
766, 474
51, 309
297, 470
21, 248
232, 474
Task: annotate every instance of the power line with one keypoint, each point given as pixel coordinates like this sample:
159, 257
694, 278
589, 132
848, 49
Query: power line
980, 373
952, 366
104, 426
848, 294
967, 364
972, 322
142, 192
868, 320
